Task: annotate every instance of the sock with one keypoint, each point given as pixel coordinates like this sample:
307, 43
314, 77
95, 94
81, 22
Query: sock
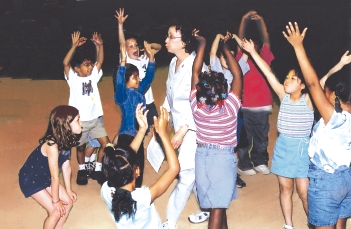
92, 157
81, 167
98, 166
86, 159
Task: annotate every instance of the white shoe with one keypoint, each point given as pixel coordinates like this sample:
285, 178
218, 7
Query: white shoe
199, 217
288, 227
167, 225
249, 172
263, 169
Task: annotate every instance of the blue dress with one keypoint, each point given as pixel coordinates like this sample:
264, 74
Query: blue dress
34, 175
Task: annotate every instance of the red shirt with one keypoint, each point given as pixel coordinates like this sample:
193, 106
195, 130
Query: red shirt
256, 92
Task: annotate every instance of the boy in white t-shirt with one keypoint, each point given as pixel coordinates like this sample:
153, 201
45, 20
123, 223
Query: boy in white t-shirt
82, 78
141, 62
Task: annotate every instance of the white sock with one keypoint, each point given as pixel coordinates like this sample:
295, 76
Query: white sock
86, 159
92, 157
98, 166
81, 167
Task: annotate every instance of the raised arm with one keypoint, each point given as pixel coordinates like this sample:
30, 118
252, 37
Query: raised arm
239, 42
214, 48
249, 47
150, 70
121, 19
295, 38
262, 28
235, 69
162, 184
98, 42
142, 121
345, 59
243, 24
198, 62
76, 42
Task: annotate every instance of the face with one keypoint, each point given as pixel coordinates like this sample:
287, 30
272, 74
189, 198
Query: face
132, 48
292, 83
76, 125
174, 41
85, 69
134, 81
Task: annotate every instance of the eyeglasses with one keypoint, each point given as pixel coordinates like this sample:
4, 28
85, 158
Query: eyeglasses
170, 37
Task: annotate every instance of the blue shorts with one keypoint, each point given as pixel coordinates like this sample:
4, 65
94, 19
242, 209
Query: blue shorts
215, 176
93, 143
329, 196
290, 158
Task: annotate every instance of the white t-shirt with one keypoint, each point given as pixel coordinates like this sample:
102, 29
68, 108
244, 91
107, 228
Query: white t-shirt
141, 64
146, 216
84, 94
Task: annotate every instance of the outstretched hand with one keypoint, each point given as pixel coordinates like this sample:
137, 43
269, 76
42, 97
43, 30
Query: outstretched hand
141, 116
120, 16
147, 47
77, 40
195, 34
249, 14
161, 122
248, 46
96, 38
345, 59
294, 36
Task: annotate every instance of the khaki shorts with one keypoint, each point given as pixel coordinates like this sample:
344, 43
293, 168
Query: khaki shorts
94, 128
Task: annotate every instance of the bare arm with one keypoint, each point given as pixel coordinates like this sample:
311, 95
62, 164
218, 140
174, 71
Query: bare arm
262, 28
156, 47
162, 184
67, 173
142, 121
345, 59
214, 48
198, 62
267, 71
295, 38
242, 28
239, 42
98, 42
76, 42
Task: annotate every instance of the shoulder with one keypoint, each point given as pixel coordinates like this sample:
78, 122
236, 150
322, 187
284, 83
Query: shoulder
142, 195
49, 148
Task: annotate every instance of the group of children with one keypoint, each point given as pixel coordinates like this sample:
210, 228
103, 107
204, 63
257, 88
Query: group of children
205, 106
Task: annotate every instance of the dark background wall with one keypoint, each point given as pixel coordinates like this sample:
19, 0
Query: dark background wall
35, 34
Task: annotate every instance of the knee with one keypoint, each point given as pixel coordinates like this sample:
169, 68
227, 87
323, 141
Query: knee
303, 196
286, 190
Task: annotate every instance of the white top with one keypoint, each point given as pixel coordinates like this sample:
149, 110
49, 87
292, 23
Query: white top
330, 145
217, 67
178, 90
146, 216
84, 94
141, 64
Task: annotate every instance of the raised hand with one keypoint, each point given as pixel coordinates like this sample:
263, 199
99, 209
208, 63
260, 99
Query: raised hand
96, 38
141, 116
345, 59
120, 16
147, 48
227, 37
195, 34
77, 40
255, 17
293, 35
249, 14
161, 122
248, 46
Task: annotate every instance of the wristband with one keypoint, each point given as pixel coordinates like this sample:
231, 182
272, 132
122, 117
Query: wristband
55, 202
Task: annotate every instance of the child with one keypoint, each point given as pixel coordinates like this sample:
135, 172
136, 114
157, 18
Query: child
133, 207
129, 93
329, 190
82, 80
215, 115
141, 62
220, 65
295, 119
39, 176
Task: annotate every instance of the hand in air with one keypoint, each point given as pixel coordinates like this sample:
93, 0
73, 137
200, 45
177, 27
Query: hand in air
293, 34
96, 38
345, 59
161, 122
120, 16
195, 33
77, 40
141, 116
248, 46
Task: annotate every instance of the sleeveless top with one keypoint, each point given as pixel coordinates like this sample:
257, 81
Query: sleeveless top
295, 119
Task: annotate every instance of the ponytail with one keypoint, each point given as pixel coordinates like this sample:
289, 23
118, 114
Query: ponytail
123, 204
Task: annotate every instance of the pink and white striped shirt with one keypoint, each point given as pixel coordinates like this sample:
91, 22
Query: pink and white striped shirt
218, 125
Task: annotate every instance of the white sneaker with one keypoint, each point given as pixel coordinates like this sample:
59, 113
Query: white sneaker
199, 217
249, 172
167, 225
262, 169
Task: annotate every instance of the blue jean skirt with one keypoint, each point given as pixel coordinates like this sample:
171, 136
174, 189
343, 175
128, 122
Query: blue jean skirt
215, 175
290, 158
329, 195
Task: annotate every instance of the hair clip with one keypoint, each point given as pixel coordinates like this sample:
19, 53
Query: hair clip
113, 190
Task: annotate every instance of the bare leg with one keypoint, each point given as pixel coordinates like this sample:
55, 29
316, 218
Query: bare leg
302, 188
103, 142
330, 227
286, 188
216, 218
89, 151
341, 224
115, 139
81, 154
224, 221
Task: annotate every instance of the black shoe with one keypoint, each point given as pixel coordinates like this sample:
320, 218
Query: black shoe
98, 176
239, 182
82, 177
90, 167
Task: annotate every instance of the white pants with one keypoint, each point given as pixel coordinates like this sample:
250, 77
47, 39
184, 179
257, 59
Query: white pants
186, 181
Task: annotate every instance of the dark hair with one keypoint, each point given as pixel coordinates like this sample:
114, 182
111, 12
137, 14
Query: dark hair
79, 59
211, 88
340, 85
298, 73
185, 36
119, 167
59, 129
130, 69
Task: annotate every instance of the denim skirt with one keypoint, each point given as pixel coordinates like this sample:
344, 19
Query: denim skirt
215, 176
290, 158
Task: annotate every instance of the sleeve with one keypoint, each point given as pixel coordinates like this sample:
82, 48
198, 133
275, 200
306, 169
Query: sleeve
149, 77
239, 55
96, 74
216, 65
243, 65
70, 77
267, 55
192, 99
234, 102
120, 94
142, 196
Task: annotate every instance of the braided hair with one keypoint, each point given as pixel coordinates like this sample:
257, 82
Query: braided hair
338, 84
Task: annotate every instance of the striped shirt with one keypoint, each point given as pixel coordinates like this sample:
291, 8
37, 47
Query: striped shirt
218, 125
295, 119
